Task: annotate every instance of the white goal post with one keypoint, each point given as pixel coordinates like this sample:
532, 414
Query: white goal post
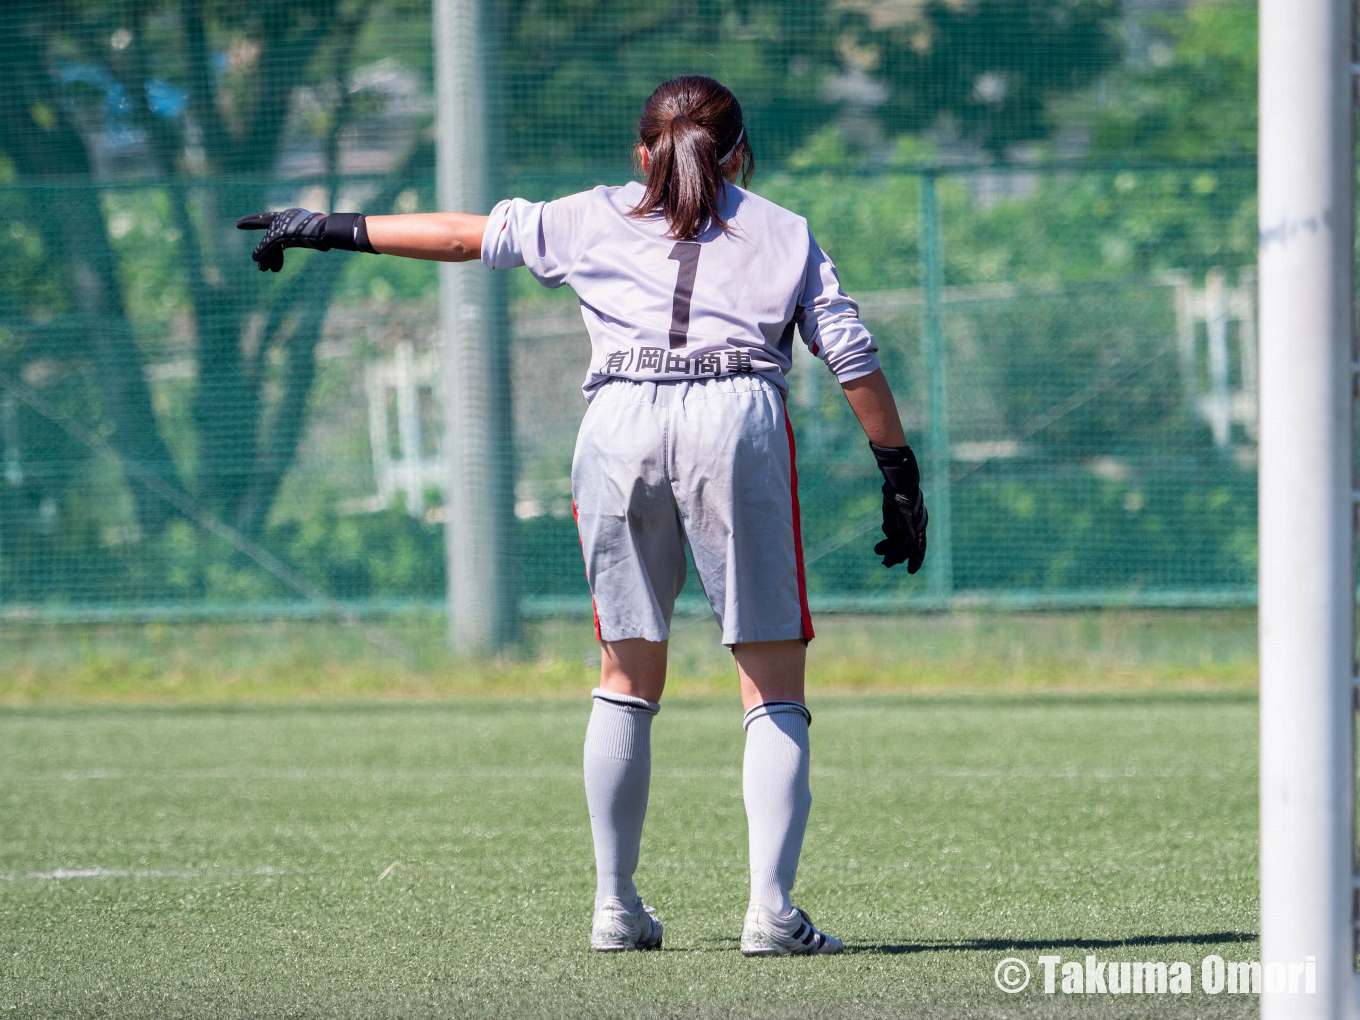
1307, 582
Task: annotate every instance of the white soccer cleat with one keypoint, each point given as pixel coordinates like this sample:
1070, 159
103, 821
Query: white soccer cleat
616, 928
767, 934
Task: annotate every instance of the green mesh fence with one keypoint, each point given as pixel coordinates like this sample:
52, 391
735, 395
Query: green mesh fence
1046, 210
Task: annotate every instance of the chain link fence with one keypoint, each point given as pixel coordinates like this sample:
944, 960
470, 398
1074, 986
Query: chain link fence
1045, 210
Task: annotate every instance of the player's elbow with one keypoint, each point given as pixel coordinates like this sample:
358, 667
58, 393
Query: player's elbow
461, 238
457, 248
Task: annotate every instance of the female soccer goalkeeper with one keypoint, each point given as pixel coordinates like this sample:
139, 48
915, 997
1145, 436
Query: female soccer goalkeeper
692, 289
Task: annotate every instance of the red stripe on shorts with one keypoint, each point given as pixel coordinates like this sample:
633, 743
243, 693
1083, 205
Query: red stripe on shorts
797, 529
575, 516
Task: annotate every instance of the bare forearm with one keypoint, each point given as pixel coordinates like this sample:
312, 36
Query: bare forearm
436, 237
872, 401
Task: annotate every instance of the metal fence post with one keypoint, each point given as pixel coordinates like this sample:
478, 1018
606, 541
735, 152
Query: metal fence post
940, 561
12, 471
6, 474
473, 334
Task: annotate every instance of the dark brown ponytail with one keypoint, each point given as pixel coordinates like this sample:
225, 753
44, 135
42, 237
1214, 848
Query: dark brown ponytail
688, 125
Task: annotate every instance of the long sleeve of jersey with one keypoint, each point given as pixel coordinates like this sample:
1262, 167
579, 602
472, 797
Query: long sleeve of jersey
829, 323
540, 236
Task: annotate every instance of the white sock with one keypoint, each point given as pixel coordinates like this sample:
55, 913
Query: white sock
618, 770
778, 798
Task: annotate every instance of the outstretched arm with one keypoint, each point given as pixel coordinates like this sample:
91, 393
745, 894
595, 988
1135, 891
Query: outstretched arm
436, 237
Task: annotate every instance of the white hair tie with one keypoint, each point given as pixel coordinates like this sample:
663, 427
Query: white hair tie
732, 151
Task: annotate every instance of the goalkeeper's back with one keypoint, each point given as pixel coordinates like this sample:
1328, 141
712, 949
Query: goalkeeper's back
724, 301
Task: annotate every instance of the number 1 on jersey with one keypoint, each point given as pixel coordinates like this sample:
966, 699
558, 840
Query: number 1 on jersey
687, 254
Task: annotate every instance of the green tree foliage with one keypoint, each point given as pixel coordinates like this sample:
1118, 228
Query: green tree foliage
579, 69
1192, 96
957, 62
84, 75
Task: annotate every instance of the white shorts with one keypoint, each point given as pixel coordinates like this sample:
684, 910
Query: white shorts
708, 462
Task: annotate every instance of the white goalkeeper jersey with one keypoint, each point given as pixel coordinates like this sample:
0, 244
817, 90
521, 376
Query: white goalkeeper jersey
725, 303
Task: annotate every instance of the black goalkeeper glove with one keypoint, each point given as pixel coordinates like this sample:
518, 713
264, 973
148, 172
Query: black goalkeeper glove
904, 508
298, 228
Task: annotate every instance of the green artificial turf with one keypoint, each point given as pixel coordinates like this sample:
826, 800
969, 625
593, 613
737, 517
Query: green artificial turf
433, 859
318, 660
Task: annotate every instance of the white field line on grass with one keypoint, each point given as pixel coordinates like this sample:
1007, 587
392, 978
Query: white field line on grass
574, 774
67, 873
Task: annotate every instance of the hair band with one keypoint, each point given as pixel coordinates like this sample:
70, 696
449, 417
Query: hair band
730, 152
